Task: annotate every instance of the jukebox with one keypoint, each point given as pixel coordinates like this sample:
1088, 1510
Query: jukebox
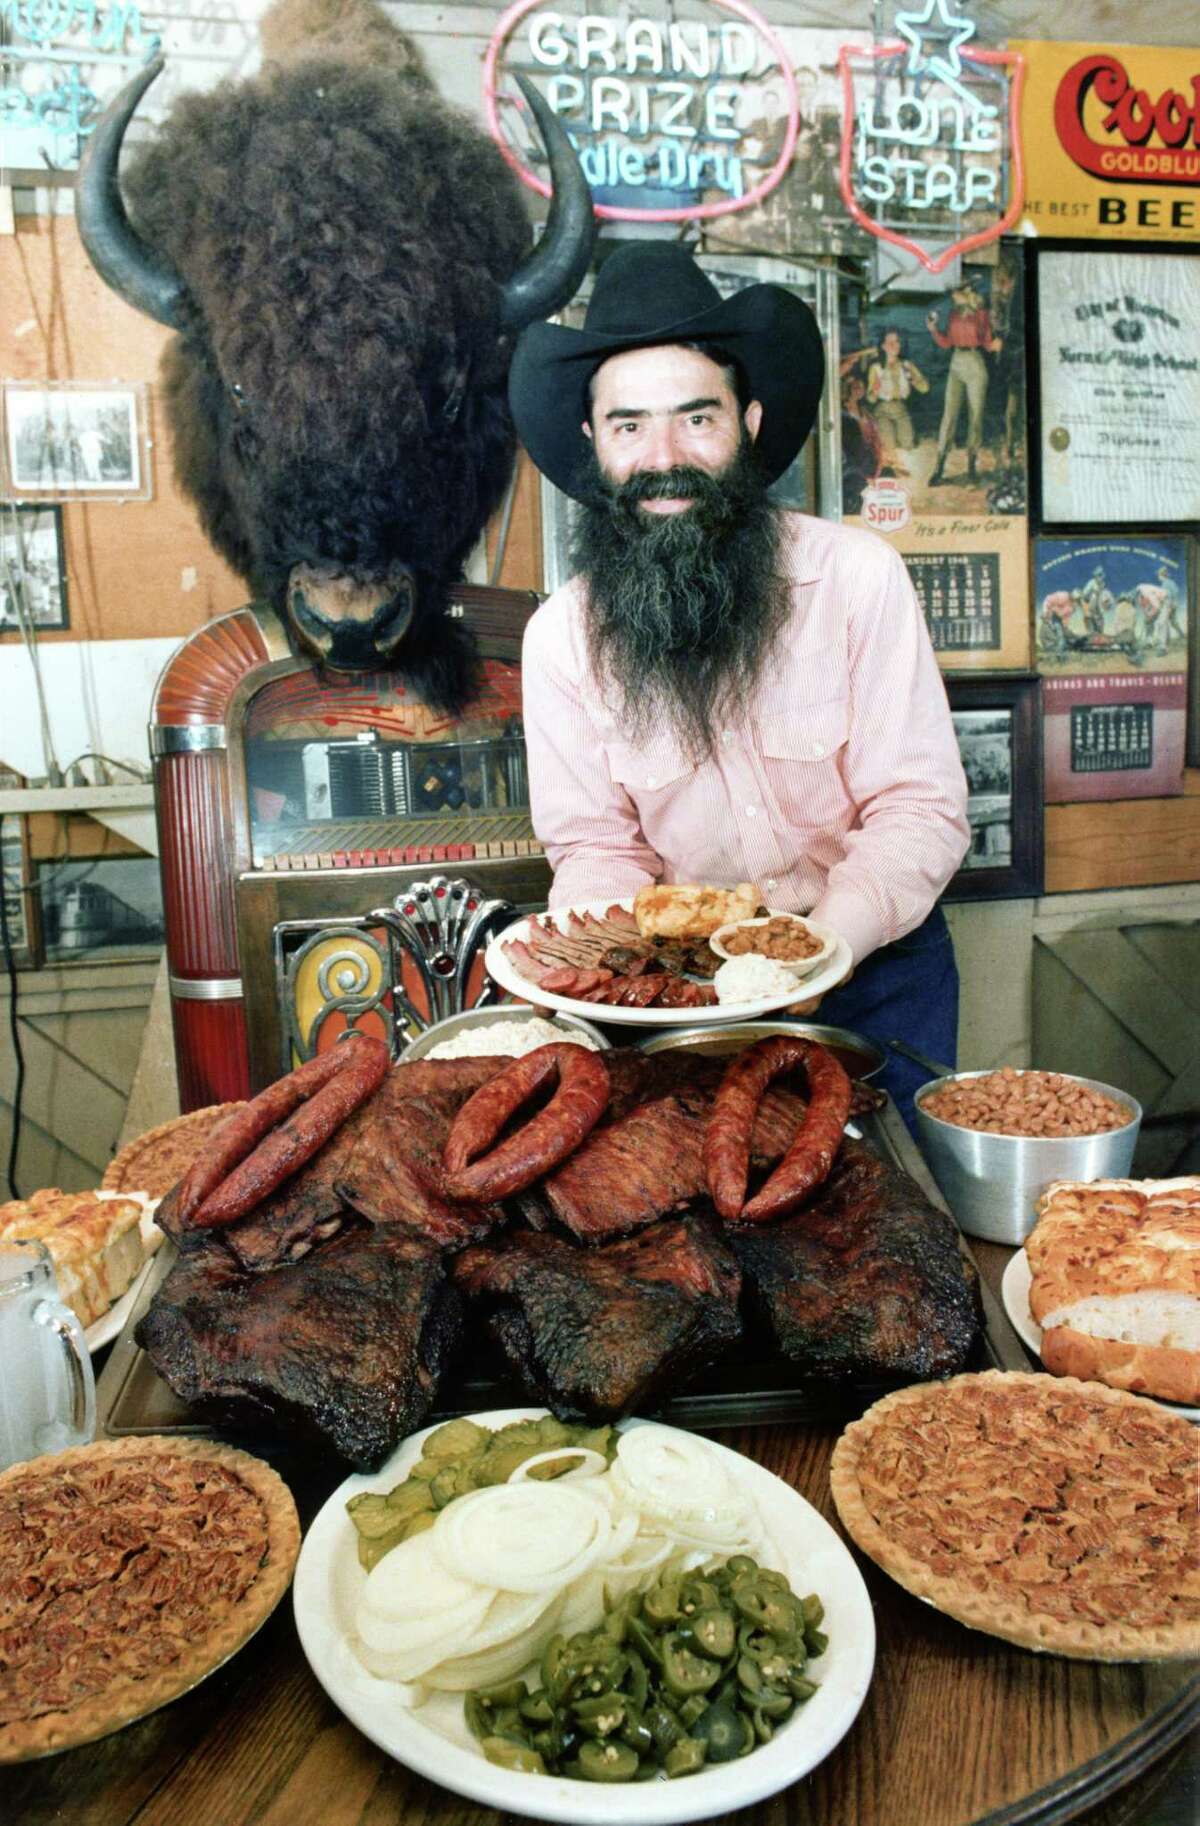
334, 853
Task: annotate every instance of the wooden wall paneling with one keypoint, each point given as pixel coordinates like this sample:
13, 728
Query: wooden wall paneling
1124, 843
53, 836
80, 1029
1122, 1004
137, 569
522, 566
1127, 986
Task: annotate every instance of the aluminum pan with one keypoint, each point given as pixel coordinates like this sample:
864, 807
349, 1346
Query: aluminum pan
861, 1057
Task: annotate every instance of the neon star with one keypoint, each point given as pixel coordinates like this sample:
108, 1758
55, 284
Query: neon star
939, 16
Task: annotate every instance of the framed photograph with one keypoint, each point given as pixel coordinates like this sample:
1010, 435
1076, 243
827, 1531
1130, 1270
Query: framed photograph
1117, 386
33, 576
75, 441
20, 902
999, 728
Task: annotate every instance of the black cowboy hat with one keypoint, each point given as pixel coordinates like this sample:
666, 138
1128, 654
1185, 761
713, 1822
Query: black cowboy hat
649, 293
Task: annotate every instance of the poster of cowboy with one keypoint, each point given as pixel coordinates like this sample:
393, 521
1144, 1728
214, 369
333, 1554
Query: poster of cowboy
932, 392
1111, 605
1119, 365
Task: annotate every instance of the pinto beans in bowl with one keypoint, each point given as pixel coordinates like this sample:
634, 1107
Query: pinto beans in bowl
1010, 1102
994, 1149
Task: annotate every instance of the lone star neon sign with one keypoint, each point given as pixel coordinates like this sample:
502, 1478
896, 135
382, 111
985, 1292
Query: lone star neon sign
891, 157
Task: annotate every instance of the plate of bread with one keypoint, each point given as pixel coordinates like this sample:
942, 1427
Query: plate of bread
646, 960
1107, 1287
99, 1243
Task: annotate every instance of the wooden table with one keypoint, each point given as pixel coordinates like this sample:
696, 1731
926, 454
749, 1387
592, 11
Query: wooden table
958, 1729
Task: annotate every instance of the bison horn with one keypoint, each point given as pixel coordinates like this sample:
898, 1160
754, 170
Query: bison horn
552, 273
120, 256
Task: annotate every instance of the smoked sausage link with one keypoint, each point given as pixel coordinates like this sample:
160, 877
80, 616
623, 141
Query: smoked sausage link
255, 1150
730, 1127
556, 1131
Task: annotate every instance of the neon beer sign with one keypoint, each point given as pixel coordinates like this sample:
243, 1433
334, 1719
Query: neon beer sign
925, 139
651, 105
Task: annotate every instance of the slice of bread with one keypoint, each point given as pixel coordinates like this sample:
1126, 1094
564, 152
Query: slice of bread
95, 1241
1115, 1284
690, 910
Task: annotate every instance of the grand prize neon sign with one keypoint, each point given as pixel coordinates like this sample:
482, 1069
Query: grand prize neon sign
931, 142
648, 103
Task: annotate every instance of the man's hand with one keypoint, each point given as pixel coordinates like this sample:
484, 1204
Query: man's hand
814, 1002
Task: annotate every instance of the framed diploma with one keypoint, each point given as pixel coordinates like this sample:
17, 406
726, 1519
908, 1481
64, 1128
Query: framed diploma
1118, 379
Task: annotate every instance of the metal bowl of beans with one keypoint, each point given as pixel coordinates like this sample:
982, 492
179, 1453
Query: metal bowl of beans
1026, 1129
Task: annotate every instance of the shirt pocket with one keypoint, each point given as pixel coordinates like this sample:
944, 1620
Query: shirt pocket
658, 767
812, 733
803, 758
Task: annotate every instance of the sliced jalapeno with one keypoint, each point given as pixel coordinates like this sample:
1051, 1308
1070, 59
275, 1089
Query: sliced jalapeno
685, 1757
607, 1762
683, 1671
509, 1755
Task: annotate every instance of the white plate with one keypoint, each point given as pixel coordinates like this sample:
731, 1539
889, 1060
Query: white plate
111, 1323
1014, 1290
436, 1743
510, 978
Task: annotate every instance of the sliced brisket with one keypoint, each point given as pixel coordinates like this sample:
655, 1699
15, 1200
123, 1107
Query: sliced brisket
601, 1332
344, 1348
867, 1281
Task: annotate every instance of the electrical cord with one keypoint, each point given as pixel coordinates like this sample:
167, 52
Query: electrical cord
10, 965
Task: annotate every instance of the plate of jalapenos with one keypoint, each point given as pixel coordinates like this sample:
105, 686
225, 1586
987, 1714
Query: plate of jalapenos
699, 1692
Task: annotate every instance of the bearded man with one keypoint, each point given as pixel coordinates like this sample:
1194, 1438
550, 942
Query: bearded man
726, 691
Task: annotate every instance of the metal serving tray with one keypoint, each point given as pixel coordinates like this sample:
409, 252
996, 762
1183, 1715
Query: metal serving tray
132, 1399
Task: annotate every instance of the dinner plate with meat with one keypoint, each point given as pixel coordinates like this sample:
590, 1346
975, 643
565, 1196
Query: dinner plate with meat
595, 960
424, 1724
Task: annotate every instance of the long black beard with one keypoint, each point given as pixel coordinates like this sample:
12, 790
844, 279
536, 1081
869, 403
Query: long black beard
682, 608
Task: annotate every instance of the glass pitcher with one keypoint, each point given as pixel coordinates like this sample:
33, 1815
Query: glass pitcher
47, 1390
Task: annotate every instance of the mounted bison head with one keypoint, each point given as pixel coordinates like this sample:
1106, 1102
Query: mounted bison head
346, 261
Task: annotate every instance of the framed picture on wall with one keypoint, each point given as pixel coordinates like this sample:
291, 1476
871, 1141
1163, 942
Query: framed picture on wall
1117, 386
76, 440
999, 728
33, 576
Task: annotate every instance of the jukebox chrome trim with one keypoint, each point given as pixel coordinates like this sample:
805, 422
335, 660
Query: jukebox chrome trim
185, 738
206, 988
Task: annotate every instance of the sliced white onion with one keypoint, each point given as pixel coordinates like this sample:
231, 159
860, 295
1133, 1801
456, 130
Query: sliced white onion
411, 1581
522, 1537
675, 1475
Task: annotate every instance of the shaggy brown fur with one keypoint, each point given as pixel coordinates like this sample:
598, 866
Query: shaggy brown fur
342, 233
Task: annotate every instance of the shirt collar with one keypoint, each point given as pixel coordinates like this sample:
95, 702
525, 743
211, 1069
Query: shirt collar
798, 559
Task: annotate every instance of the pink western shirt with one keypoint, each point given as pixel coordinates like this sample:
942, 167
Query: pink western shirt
835, 783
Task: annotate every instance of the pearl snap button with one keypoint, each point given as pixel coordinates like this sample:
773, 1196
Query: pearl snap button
727, 737
772, 883
818, 749
651, 780
752, 811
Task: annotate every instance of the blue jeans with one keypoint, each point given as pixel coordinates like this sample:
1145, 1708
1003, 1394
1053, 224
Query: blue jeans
904, 991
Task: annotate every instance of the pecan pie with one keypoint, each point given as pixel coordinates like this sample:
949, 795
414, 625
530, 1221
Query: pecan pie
158, 1160
129, 1569
1054, 1513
